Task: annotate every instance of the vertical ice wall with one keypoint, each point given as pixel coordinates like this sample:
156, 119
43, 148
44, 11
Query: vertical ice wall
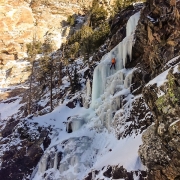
120, 52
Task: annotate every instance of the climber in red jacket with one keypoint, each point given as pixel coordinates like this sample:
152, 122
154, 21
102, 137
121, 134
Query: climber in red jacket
113, 62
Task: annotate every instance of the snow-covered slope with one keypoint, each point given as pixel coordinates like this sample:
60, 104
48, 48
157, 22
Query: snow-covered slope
92, 143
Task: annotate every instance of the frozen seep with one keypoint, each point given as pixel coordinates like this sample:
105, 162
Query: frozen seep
49, 160
121, 53
55, 161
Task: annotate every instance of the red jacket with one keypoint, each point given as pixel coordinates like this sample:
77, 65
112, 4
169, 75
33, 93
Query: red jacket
113, 61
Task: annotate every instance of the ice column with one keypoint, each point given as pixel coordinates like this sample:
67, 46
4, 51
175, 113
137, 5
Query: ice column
127, 81
132, 23
43, 164
55, 160
87, 95
88, 85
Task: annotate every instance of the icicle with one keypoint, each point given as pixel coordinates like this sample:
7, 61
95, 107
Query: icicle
86, 97
102, 117
113, 86
119, 63
55, 160
113, 105
88, 86
63, 167
121, 77
127, 81
74, 160
108, 119
118, 102
96, 85
43, 164
132, 23
76, 124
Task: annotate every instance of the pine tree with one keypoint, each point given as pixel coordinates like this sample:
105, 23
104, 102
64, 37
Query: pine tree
47, 66
71, 20
75, 80
98, 14
32, 50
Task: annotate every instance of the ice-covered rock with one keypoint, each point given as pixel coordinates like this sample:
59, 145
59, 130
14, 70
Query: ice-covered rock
69, 158
74, 123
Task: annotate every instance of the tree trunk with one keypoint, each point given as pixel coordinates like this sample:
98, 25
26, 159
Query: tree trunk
30, 91
69, 75
51, 87
60, 73
60, 67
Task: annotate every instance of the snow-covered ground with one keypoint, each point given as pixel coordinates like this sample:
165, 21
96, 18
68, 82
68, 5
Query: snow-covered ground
103, 148
8, 109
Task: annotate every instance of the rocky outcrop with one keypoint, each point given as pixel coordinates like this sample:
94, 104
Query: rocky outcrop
157, 35
14, 72
157, 42
160, 149
118, 172
21, 148
17, 26
133, 118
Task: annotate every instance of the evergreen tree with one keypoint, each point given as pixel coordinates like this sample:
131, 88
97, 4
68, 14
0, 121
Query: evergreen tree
71, 20
121, 4
98, 14
100, 35
75, 81
32, 50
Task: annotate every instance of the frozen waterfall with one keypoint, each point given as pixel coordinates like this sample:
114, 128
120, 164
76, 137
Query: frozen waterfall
71, 158
116, 78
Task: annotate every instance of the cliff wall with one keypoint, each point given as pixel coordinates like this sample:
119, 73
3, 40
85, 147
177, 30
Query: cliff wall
22, 20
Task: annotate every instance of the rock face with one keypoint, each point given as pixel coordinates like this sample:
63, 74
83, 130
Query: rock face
14, 72
157, 42
17, 26
157, 35
163, 137
22, 20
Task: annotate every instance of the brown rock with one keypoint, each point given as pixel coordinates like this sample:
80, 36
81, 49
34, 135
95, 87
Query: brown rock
174, 128
6, 57
21, 20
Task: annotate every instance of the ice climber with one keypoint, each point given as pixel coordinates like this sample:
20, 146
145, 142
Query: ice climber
113, 62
